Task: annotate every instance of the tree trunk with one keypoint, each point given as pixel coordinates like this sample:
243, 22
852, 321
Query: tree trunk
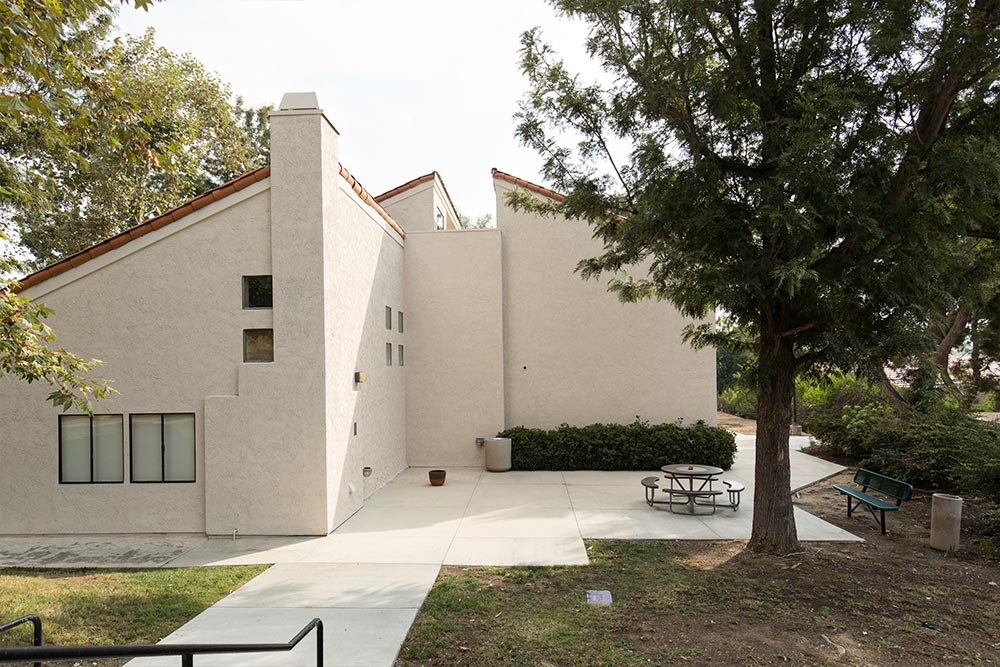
773, 518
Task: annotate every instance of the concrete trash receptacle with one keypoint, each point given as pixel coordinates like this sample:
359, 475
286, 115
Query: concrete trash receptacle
946, 522
498, 454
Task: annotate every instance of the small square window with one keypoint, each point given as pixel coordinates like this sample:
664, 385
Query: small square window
388, 354
400, 355
257, 292
400, 321
258, 345
388, 318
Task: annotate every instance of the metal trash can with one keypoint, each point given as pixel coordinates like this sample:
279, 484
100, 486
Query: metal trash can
498, 454
946, 522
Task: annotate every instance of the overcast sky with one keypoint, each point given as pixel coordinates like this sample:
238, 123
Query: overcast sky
411, 86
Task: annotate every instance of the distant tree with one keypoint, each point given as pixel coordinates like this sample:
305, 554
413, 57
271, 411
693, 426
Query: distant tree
812, 168
484, 221
167, 133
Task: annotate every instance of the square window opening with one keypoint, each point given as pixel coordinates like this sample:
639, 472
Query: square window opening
258, 345
257, 292
388, 354
400, 321
388, 318
400, 350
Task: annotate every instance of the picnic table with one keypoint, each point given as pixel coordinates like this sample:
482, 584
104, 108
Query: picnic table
694, 484
691, 482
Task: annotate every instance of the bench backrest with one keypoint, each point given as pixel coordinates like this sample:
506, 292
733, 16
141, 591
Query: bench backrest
893, 488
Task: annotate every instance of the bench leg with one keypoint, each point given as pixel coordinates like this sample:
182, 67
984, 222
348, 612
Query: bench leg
882, 522
849, 508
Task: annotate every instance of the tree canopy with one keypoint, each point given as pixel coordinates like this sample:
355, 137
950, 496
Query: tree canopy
821, 171
96, 134
166, 132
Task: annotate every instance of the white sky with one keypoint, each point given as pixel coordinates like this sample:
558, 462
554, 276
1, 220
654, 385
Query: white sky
412, 86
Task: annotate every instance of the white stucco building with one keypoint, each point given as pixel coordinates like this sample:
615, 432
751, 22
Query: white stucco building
234, 327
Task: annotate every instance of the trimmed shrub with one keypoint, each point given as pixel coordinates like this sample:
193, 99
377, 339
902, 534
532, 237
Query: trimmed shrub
635, 446
740, 401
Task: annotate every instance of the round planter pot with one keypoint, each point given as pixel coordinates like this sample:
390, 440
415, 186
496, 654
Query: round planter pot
436, 477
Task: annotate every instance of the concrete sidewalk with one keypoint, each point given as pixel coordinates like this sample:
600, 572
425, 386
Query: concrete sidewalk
368, 578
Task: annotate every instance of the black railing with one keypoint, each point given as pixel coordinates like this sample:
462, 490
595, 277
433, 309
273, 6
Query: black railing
186, 652
36, 624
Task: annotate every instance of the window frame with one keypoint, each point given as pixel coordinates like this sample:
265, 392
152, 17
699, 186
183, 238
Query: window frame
163, 450
245, 286
257, 361
121, 416
399, 314
388, 318
399, 356
388, 354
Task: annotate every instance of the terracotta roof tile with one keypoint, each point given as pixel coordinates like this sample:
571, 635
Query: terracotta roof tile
175, 214
419, 180
371, 201
527, 185
143, 228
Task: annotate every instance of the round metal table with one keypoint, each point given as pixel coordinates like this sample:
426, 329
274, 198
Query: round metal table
691, 481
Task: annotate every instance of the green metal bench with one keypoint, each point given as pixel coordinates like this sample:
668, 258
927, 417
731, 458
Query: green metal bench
894, 489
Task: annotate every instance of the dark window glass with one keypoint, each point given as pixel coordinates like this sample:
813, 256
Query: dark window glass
257, 292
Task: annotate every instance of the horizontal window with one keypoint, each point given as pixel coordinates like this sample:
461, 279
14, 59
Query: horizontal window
91, 450
162, 447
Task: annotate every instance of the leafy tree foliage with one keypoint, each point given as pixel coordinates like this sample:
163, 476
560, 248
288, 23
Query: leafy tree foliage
168, 133
45, 54
817, 169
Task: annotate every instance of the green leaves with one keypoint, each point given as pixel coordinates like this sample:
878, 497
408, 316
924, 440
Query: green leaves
131, 131
27, 352
810, 160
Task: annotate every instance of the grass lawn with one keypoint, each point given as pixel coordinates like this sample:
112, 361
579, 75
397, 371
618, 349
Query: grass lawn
96, 606
887, 601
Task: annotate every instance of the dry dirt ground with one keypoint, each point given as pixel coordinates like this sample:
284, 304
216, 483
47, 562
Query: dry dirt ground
736, 424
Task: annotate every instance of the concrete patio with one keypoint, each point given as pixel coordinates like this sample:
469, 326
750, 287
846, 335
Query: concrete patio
368, 578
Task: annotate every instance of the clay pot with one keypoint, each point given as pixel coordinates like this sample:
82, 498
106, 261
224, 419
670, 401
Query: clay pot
436, 477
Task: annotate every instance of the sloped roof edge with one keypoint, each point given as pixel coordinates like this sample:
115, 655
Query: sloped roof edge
527, 185
175, 214
143, 228
419, 180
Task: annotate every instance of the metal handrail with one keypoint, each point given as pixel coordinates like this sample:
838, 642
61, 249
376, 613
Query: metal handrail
185, 651
36, 624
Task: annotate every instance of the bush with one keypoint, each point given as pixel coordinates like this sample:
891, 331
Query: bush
636, 446
740, 401
940, 447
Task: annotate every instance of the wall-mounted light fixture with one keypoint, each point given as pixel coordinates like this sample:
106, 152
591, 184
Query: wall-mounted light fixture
360, 376
366, 471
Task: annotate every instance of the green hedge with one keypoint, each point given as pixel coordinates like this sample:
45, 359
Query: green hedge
635, 446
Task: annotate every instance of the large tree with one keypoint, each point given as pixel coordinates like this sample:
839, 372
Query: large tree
165, 132
813, 168
44, 55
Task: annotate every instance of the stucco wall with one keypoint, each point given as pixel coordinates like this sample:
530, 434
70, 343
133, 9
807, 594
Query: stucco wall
266, 459
364, 275
165, 315
572, 352
413, 209
454, 382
